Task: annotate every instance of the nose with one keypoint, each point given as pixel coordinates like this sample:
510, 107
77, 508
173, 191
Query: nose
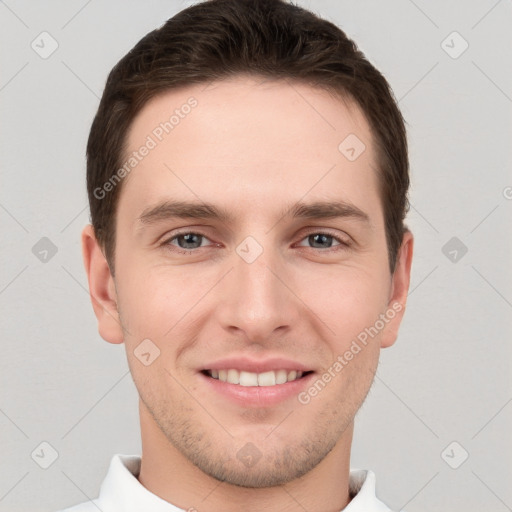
258, 297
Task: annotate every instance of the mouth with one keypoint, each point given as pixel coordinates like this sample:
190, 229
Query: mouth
252, 379
256, 385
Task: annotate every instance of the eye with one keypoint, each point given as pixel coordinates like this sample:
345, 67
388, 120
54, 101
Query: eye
186, 241
324, 241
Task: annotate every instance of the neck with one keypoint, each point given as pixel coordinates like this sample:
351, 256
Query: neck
168, 474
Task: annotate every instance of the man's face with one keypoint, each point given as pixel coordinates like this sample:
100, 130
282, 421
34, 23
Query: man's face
265, 292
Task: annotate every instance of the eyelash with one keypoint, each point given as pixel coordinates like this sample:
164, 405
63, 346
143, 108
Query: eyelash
343, 244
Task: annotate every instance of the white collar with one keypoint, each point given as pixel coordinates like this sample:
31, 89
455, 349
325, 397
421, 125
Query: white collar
121, 491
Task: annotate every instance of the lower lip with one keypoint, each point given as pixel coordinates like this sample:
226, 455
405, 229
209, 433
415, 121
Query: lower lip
258, 396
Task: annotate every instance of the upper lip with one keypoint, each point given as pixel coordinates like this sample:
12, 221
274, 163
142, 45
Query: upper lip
256, 365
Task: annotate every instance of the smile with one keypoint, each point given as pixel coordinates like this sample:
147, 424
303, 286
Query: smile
248, 379
256, 388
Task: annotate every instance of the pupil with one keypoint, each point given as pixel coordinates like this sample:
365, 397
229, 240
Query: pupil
324, 239
188, 240
313, 239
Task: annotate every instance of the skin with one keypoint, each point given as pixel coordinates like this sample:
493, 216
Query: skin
253, 148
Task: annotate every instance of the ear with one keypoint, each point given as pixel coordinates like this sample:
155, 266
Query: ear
101, 288
399, 290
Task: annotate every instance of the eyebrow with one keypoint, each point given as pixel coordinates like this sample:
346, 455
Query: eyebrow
207, 211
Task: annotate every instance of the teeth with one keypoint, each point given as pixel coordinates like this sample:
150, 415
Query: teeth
233, 377
267, 379
248, 379
281, 376
243, 378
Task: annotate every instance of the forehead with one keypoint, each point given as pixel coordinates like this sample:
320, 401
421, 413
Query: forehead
252, 141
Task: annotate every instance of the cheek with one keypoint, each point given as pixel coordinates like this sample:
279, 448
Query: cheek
346, 299
155, 299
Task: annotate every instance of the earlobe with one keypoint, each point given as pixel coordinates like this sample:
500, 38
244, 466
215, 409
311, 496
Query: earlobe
399, 289
101, 288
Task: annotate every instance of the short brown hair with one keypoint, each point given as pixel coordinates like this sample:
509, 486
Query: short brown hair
218, 39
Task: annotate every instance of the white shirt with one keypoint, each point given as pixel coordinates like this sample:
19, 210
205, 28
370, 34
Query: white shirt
122, 492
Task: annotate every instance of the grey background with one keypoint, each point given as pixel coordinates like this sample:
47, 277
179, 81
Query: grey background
448, 376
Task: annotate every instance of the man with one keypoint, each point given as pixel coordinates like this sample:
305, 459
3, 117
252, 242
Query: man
247, 175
